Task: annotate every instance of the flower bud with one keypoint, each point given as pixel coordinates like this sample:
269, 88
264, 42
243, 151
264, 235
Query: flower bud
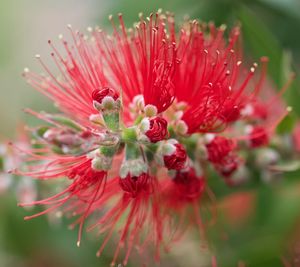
100, 162
218, 148
133, 176
258, 136
99, 95
108, 103
153, 129
173, 154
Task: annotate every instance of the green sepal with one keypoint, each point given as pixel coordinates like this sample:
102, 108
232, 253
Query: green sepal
132, 151
108, 151
129, 135
112, 120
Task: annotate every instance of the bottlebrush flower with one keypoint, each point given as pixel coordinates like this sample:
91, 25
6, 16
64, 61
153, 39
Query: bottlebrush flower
134, 104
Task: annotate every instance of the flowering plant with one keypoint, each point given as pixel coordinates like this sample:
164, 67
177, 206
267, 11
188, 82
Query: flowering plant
146, 116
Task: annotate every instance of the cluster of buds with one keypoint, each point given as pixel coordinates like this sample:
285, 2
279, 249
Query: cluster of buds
149, 114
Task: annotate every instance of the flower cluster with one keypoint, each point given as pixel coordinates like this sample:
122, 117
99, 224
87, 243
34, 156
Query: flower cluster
145, 114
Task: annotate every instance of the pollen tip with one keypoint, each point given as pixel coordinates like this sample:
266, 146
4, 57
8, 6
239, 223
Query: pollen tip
78, 243
69, 26
60, 36
26, 70
89, 29
98, 254
37, 56
255, 65
252, 69
289, 109
110, 17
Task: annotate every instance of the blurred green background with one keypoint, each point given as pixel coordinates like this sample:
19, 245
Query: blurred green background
270, 28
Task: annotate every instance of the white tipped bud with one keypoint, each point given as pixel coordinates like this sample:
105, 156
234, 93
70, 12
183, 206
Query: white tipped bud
150, 110
134, 168
181, 127
168, 148
108, 102
209, 137
144, 125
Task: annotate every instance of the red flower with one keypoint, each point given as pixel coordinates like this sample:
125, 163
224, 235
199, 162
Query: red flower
142, 97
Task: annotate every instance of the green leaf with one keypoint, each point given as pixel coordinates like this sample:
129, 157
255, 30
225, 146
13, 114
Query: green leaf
260, 41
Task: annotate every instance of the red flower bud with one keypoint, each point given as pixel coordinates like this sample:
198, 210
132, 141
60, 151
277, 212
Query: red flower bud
132, 185
99, 94
157, 129
229, 165
177, 159
219, 148
258, 137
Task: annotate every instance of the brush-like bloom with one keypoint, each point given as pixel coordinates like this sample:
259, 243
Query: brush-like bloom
135, 104
214, 98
